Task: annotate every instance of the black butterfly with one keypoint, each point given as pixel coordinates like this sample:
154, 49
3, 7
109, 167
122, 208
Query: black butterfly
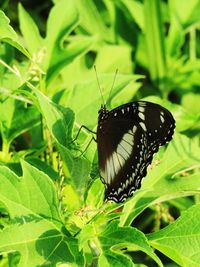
127, 138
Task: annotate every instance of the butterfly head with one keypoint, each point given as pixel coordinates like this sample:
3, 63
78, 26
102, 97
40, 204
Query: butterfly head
103, 111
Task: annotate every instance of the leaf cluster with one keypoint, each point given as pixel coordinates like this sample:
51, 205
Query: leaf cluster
52, 209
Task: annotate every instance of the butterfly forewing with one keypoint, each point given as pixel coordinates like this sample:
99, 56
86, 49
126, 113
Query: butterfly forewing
127, 138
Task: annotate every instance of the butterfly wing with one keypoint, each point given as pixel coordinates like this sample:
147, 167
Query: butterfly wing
127, 138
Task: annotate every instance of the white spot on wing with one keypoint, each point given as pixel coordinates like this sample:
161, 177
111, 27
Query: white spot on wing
119, 190
162, 119
134, 129
143, 104
141, 109
143, 126
130, 132
141, 116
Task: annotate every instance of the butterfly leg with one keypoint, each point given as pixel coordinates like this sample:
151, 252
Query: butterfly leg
80, 129
92, 139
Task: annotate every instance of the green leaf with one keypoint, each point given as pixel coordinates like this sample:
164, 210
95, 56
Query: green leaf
86, 109
154, 39
77, 171
95, 194
79, 67
180, 240
165, 182
16, 119
40, 243
59, 26
59, 121
136, 10
121, 60
114, 239
189, 103
8, 35
182, 16
109, 259
91, 21
44, 167
36, 228
29, 30
19, 194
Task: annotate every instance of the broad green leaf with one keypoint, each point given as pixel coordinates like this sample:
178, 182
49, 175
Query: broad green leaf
30, 31
182, 16
136, 10
187, 12
44, 167
40, 243
189, 103
60, 56
6, 55
26, 196
180, 240
60, 49
16, 118
115, 238
185, 119
91, 21
79, 67
77, 171
175, 38
86, 109
121, 60
95, 194
182, 74
8, 35
109, 259
9, 82
35, 229
165, 182
59, 122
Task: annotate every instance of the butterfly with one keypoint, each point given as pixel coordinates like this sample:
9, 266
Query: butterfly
127, 138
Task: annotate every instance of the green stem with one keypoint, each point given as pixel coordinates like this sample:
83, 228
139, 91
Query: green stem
5, 150
155, 42
192, 50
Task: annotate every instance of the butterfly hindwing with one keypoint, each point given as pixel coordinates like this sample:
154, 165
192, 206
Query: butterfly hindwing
127, 138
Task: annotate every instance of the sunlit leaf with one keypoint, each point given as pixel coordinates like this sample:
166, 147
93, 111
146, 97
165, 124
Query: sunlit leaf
180, 241
8, 35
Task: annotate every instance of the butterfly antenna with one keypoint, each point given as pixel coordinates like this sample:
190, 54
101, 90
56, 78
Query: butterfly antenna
95, 69
113, 83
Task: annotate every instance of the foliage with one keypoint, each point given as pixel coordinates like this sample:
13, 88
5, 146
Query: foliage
52, 209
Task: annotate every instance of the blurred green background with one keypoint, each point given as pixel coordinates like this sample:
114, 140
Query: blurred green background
48, 89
